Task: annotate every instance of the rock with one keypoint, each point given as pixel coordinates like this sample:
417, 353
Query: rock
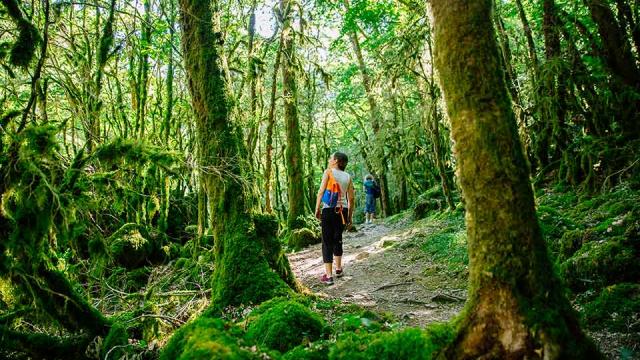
362, 255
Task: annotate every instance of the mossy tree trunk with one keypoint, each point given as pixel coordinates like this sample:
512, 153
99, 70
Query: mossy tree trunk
242, 274
622, 64
516, 306
270, 126
295, 165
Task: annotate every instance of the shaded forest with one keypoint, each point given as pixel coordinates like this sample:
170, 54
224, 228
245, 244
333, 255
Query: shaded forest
160, 160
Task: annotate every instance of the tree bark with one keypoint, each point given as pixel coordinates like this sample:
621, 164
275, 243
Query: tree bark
516, 306
295, 162
242, 274
270, 126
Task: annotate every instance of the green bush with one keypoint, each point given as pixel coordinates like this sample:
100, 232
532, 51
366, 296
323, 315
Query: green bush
615, 308
282, 324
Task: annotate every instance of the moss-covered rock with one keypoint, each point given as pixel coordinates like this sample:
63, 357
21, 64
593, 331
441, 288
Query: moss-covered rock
570, 242
283, 324
301, 238
407, 344
432, 200
614, 308
207, 338
318, 350
600, 263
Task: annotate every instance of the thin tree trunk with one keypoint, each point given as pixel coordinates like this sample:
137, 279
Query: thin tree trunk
379, 162
516, 306
531, 46
270, 126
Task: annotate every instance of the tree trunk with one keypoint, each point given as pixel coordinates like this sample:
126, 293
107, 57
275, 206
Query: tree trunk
624, 10
271, 123
516, 307
294, 160
242, 273
531, 46
553, 83
618, 57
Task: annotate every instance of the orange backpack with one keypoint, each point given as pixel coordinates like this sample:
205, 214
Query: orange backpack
332, 195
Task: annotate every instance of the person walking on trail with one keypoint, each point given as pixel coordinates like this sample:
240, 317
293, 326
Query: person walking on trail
336, 195
370, 187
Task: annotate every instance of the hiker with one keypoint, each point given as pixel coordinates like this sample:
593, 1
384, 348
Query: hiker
337, 195
370, 190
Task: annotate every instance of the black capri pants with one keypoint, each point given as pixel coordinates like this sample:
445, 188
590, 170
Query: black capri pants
331, 223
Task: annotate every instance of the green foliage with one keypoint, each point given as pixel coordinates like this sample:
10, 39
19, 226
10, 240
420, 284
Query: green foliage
615, 308
282, 324
407, 344
24, 47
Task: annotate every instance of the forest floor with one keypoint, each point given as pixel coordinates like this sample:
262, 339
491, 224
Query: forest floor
414, 271
384, 271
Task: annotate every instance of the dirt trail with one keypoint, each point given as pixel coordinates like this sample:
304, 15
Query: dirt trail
384, 271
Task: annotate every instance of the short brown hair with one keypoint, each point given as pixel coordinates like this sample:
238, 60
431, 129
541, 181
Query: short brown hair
342, 160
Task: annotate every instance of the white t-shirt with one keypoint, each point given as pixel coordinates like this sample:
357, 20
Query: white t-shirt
343, 178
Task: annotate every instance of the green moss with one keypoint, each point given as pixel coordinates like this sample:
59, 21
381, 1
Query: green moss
207, 338
283, 324
409, 343
113, 345
361, 321
448, 247
301, 238
571, 242
130, 250
614, 308
318, 350
432, 200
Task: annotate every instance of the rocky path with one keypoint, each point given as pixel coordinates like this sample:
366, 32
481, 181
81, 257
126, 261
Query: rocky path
384, 270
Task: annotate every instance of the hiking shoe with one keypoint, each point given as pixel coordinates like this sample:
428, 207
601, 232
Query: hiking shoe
326, 280
339, 273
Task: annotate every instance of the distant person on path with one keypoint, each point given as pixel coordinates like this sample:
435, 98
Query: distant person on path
370, 190
336, 194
